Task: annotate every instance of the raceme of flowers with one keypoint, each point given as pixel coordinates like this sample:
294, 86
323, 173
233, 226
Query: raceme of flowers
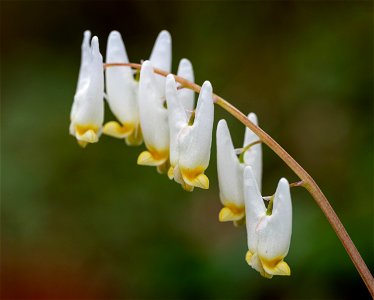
159, 111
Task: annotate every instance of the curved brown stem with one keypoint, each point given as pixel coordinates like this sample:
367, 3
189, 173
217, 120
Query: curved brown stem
307, 180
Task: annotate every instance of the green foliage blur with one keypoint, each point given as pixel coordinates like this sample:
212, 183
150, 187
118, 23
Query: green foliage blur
89, 223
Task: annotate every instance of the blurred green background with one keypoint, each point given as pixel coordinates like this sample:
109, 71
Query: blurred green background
89, 223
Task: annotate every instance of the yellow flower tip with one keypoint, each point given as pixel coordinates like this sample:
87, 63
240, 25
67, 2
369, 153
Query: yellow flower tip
195, 177
87, 133
231, 213
266, 275
89, 136
116, 130
248, 257
135, 138
187, 187
276, 267
202, 181
147, 158
171, 173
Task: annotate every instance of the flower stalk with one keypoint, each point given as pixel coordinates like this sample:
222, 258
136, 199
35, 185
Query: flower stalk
306, 179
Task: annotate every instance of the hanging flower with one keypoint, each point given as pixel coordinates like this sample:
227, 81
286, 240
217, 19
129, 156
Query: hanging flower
153, 118
122, 94
190, 138
152, 105
268, 229
230, 169
87, 113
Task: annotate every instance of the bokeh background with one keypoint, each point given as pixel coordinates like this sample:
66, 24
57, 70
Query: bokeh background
89, 223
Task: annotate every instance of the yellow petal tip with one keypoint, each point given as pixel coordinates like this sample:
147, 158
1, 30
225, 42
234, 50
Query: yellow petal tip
276, 267
89, 136
231, 213
116, 130
248, 257
171, 173
195, 177
86, 134
202, 181
147, 159
187, 187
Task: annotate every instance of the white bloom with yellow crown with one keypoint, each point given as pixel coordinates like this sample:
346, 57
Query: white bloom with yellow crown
268, 229
82, 76
152, 105
230, 169
122, 90
190, 137
87, 113
153, 119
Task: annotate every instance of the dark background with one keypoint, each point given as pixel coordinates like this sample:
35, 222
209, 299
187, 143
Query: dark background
89, 223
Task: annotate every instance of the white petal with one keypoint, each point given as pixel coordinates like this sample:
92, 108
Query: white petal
275, 237
85, 57
195, 146
89, 97
161, 52
153, 115
230, 171
83, 70
161, 57
120, 83
253, 156
255, 209
176, 115
186, 96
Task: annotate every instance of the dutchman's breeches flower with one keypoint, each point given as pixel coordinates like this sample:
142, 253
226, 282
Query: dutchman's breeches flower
152, 105
190, 136
87, 113
154, 119
268, 229
122, 94
230, 170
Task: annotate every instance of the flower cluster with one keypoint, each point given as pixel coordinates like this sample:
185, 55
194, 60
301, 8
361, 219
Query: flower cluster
178, 137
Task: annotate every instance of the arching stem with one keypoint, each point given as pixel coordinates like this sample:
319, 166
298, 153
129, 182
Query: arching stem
307, 181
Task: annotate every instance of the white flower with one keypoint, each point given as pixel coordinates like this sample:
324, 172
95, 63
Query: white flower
152, 105
122, 94
190, 139
269, 229
153, 118
230, 169
88, 108
83, 71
